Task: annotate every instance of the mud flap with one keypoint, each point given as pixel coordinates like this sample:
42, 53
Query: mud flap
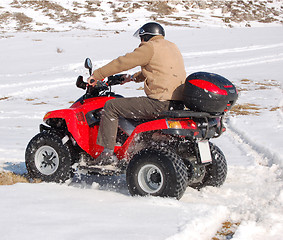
204, 151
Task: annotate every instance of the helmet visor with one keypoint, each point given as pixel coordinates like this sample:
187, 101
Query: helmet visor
137, 33
140, 32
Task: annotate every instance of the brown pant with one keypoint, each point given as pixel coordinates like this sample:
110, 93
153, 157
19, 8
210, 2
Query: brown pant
134, 108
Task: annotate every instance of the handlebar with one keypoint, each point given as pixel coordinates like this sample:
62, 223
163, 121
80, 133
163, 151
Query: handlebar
112, 80
100, 87
80, 83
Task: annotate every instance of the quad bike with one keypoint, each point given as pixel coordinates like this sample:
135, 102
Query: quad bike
160, 157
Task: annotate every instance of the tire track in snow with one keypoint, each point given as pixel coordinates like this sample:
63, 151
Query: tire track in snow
73, 67
38, 82
39, 88
11, 115
256, 205
238, 63
42, 85
245, 193
262, 154
52, 70
231, 50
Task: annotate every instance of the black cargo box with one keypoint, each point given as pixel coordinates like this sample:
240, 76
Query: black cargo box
209, 92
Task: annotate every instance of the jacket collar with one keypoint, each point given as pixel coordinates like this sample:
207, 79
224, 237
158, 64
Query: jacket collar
152, 39
156, 37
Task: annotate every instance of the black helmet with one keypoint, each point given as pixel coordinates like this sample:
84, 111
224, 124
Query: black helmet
151, 28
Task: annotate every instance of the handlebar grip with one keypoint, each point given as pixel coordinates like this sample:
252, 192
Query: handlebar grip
115, 79
80, 83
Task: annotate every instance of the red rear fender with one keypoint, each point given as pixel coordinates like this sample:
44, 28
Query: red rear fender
144, 127
187, 125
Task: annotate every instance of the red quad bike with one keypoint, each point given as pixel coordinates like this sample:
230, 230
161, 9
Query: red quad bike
160, 157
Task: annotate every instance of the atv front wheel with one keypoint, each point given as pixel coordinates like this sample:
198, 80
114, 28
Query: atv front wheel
157, 172
48, 159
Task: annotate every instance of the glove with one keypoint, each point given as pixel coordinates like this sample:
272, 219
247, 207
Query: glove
91, 80
128, 78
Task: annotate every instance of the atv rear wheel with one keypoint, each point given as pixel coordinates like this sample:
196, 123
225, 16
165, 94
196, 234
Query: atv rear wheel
48, 159
216, 172
157, 172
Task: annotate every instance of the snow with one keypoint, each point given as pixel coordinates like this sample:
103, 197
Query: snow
35, 78
71, 213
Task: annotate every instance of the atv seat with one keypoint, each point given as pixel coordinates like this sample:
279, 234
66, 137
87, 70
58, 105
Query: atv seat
129, 125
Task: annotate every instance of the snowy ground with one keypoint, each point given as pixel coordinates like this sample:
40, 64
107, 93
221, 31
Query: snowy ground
38, 73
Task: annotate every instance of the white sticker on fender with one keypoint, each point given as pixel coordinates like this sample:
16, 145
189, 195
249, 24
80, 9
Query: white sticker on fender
204, 150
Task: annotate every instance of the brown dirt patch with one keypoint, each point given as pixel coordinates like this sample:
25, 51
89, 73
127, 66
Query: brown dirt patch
231, 12
9, 178
30, 99
23, 21
246, 81
275, 109
40, 103
250, 85
160, 7
59, 50
4, 17
50, 9
227, 230
4, 98
169, 23
245, 109
266, 84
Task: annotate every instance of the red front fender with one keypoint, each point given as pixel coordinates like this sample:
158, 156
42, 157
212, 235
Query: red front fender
75, 123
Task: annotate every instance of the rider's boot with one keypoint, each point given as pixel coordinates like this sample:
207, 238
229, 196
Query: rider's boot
107, 157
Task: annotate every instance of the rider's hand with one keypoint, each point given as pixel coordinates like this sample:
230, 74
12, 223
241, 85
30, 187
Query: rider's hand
127, 78
91, 80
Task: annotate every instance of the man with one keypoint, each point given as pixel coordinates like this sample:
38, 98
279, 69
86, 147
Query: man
163, 73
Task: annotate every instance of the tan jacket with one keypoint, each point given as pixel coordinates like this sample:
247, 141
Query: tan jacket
162, 68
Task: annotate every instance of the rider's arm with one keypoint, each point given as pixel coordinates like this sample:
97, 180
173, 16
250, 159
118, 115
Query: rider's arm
139, 57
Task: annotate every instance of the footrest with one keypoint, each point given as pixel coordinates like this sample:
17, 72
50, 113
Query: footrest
107, 169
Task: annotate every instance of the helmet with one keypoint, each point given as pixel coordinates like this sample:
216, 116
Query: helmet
151, 28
